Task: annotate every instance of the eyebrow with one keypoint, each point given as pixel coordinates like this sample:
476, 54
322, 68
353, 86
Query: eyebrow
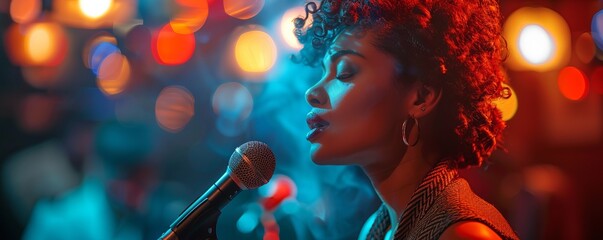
340, 54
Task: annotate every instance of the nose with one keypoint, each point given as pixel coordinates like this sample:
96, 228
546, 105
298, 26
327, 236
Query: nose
316, 95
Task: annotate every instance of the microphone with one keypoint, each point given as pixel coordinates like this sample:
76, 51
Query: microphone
251, 165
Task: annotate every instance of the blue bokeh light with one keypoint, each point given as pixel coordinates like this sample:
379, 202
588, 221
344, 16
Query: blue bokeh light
99, 53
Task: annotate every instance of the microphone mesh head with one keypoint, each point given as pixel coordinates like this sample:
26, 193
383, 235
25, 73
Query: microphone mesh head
251, 165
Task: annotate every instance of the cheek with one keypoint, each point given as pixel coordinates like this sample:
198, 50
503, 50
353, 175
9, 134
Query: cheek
371, 121
363, 120
367, 105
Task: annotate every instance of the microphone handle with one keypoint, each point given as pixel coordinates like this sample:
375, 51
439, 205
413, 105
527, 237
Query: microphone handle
200, 218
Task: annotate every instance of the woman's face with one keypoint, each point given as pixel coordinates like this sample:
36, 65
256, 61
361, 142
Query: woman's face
357, 106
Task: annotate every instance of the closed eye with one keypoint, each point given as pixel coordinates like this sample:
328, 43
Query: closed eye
334, 57
344, 76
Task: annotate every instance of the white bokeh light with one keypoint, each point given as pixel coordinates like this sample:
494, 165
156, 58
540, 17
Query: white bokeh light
95, 8
287, 27
535, 44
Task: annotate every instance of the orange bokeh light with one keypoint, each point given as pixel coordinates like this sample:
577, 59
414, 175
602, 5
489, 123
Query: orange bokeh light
174, 108
172, 48
191, 16
71, 13
45, 44
14, 44
255, 51
38, 43
553, 31
23, 11
113, 74
572, 83
508, 106
95, 8
243, 9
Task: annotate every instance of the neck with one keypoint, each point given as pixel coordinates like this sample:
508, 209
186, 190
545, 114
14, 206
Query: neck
395, 179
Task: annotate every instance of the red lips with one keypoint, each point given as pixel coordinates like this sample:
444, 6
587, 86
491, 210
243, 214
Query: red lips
315, 121
316, 124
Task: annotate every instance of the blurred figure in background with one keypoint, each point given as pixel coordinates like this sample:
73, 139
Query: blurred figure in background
51, 164
111, 201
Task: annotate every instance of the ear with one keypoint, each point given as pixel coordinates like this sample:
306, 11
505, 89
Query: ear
426, 98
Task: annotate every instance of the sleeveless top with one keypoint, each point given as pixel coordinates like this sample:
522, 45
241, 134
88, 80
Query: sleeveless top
441, 200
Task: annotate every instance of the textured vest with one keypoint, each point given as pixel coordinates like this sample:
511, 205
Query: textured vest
441, 200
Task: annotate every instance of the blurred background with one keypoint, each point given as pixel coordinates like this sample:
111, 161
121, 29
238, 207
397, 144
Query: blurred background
116, 114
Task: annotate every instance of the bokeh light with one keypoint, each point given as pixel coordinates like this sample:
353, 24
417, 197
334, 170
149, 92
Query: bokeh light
171, 48
538, 39
95, 8
39, 44
255, 51
93, 13
597, 80
232, 101
190, 17
271, 232
243, 9
287, 26
24, 11
124, 46
40, 49
174, 108
45, 44
508, 104
113, 74
585, 48
572, 83
15, 44
281, 187
535, 44
41, 65
250, 219
97, 49
597, 29
99, 53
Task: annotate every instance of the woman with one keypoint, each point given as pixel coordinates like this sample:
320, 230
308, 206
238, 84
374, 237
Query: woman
406, 94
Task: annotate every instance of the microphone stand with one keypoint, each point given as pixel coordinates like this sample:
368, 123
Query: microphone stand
199, 220
206, 230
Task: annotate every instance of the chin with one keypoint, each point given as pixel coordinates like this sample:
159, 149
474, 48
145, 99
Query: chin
315, 154
320, 157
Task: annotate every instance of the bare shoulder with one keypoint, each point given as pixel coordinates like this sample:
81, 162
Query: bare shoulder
469, 230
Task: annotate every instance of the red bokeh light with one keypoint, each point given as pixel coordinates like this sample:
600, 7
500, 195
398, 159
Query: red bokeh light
284, 188
572, 83
171, 48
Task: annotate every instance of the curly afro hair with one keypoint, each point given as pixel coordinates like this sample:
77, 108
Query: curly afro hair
453, 45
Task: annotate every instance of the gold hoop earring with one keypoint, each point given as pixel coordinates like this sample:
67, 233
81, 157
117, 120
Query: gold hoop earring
404, 139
